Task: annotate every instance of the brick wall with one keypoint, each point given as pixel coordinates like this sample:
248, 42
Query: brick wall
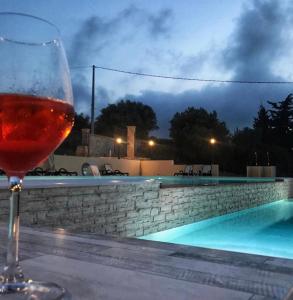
137, 209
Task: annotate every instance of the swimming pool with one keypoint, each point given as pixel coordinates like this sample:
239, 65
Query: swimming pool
265, 230
169, 181
165, 181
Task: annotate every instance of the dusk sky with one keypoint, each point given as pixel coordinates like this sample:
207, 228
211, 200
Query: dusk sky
210, 39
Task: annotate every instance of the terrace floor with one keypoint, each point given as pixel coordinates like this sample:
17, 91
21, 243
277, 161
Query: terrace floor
100, 267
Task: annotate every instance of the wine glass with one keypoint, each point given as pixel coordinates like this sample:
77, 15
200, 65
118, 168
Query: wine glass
36, 115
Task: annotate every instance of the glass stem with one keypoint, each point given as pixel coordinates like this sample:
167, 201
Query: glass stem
12, 270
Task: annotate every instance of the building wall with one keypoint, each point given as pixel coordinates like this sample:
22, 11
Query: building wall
74, 163
137, 209
168, 168
100, 145
134, 167
159, 167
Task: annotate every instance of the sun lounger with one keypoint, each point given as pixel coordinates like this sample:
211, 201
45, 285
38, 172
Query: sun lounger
108, 170
188, 171
64, 172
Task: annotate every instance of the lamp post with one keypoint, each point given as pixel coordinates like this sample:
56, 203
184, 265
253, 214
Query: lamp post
151, 144
118, 141
212, 142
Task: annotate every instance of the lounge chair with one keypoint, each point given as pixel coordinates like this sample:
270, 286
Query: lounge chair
36, 172
206, 170
188, 171
108, 170
90, 169
64, 172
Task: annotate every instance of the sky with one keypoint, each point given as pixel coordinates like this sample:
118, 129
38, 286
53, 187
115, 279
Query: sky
246, 40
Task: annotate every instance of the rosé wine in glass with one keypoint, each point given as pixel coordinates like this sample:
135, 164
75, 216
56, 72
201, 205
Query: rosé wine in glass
36, 115
31, 127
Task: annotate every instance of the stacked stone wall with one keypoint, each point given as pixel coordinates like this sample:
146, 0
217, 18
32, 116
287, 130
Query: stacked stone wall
137, 209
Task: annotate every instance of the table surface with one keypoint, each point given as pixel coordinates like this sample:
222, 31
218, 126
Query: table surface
95, 267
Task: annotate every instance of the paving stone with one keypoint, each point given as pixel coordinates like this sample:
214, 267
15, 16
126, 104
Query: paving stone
93, 266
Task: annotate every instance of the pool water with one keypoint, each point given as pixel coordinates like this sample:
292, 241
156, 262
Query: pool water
265, 230
167, 181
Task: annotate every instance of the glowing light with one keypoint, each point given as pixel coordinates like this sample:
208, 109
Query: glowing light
119, 140
151, 143
213, 141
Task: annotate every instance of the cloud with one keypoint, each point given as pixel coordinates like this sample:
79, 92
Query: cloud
160, 24
259, 38
82, 94
96, 34
237, 105
258, 42
194, 64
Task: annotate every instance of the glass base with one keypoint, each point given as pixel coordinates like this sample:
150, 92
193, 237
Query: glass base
33, 290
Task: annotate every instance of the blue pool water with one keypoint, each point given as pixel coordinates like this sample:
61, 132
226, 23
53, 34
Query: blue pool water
165, 181
265, 230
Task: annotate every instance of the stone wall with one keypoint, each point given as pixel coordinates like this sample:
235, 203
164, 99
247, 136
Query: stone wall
180, 206
137, 209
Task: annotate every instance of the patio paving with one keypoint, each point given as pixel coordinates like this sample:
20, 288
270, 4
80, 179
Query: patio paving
95, 267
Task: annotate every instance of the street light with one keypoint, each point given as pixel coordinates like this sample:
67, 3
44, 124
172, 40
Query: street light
212, 141
151, 144
119, 141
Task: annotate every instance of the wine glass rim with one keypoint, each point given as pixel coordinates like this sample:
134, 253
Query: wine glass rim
32, 17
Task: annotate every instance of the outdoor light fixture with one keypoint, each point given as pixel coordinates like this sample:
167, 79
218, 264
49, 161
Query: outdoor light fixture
213, 141
151, 143
119, 142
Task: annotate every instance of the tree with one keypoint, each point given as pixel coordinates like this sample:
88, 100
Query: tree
81, 121
246, 149
282, 121
115, 117
271, 138
191, 131
262, 125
